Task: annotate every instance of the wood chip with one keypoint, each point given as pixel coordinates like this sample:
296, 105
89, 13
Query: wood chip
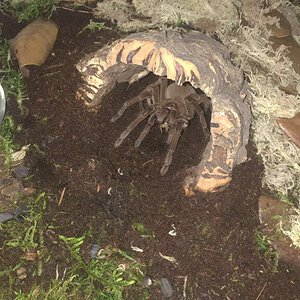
33, 44
61, 196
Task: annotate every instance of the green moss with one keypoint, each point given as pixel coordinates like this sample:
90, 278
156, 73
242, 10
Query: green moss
31, 9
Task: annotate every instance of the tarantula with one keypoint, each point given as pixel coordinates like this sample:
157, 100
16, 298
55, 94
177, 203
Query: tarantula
171, 106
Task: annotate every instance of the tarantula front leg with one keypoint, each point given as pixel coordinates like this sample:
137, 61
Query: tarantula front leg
171, 121
128, 103
141, 116
195, 101
147, 128
179, 127
154, 92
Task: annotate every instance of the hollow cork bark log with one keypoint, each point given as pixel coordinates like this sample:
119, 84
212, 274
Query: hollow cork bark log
190, 57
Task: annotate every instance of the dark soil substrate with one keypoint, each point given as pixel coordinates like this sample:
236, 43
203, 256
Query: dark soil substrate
215, 243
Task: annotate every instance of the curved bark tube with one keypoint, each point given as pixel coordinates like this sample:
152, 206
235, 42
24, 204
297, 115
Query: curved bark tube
192, 57
100, 78
229, 135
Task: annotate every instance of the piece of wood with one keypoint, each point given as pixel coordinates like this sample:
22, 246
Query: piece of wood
33, 44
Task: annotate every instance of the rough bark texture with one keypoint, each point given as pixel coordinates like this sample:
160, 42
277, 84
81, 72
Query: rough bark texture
190, 57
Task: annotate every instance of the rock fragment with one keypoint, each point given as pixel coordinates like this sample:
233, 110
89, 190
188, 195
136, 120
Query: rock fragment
166, 288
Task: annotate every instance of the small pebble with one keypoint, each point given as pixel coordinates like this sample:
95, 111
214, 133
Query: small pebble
21, 172
17, 214
147, 282
21, 212
21, 273
30, 256
29, 191
94, 250
6, 217
166, 288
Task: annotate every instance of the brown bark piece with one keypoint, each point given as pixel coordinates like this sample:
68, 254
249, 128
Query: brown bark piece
283, 29
291, 127
32, 44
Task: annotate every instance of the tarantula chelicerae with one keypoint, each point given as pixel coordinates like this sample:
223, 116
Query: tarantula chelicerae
171, 106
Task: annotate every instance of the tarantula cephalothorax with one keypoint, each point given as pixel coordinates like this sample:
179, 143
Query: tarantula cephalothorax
171, 106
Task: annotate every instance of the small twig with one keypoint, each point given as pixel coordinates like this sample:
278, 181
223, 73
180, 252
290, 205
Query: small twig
61, 196
56, 272
75, 10
260, 293
64, 274
55, 66
169, 258
51, 74
184, 285
147, 162
208, 249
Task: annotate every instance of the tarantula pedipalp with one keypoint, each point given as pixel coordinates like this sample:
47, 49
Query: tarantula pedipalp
171, 106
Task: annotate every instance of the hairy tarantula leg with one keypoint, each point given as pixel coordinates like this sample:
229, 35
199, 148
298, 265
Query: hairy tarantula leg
143, 115
126, 104
171, 134
200, 112
146, 130
179, 127
163, 84
171, 120
156, 90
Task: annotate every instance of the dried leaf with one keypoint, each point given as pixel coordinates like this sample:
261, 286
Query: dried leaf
33, 43
168, 258
18, 156
137, 249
